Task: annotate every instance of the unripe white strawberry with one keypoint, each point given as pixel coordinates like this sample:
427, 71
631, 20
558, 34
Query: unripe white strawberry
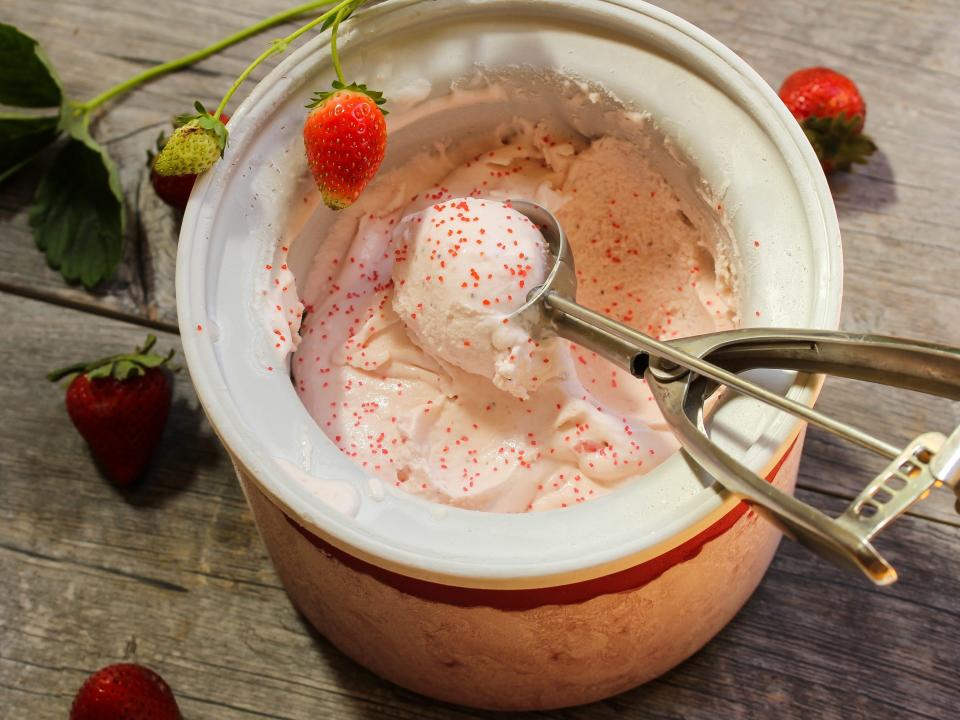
194, 147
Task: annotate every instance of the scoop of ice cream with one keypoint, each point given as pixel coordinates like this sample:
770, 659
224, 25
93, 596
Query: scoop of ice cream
461, 267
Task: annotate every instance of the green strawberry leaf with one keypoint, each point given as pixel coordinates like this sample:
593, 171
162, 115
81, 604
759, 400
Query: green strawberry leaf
333, 18
341, 16
77, 213
149, 361
22, 139
103, 371
183, 119
838, 140
147, 345
219, 130
124, 369
27, 78
120, 367
207, 121
321, 96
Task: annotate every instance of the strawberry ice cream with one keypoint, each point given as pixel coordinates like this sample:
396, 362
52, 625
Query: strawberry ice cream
459, 407
460, 268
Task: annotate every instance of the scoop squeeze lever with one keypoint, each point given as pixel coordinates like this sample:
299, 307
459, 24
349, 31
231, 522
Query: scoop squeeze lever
684, 373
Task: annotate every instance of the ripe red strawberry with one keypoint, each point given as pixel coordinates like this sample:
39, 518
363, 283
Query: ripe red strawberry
124, 692
831, 112
345, 136
174, 190
120, 405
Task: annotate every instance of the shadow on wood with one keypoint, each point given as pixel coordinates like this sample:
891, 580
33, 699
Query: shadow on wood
188, 448
866, 188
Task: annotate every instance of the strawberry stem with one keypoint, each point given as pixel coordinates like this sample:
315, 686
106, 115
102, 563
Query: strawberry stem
279, 46
334, 53
195, 57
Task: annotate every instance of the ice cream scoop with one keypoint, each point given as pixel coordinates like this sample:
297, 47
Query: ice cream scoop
682, 374
551, 309
464, 269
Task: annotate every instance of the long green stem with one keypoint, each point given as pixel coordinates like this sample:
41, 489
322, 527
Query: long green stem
278, 46
194, 57
334, 53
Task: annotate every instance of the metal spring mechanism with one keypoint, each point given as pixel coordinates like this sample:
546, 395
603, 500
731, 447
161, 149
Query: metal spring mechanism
929, 461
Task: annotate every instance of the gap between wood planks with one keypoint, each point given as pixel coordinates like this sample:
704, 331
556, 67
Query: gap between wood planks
90, 308
916, 511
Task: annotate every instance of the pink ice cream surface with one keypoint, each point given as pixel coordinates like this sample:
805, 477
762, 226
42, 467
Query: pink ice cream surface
414, 406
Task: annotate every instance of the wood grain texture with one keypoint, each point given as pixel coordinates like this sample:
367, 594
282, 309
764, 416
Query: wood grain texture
173, 574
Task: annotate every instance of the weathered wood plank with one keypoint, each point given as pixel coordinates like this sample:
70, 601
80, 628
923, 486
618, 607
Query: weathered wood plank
173, 575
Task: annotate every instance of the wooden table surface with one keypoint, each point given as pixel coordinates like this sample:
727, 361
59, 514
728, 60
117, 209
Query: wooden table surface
173, 574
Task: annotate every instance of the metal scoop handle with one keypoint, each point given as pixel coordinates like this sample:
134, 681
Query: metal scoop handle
682, 374
632, 350
910, 364
844, 540
930, 460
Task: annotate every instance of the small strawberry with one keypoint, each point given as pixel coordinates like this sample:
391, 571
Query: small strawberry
174, 190
345, 136
831, 112
119, 405
124, 692
195, 145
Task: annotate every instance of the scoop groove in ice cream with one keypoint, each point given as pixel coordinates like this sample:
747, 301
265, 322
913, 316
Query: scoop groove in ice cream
450, 407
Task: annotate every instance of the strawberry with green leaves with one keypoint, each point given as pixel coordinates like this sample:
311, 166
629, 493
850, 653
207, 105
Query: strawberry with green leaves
119, 405
196, 144
194, 147
345, 134
174, 190
832, 113
124, 691
345, 137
